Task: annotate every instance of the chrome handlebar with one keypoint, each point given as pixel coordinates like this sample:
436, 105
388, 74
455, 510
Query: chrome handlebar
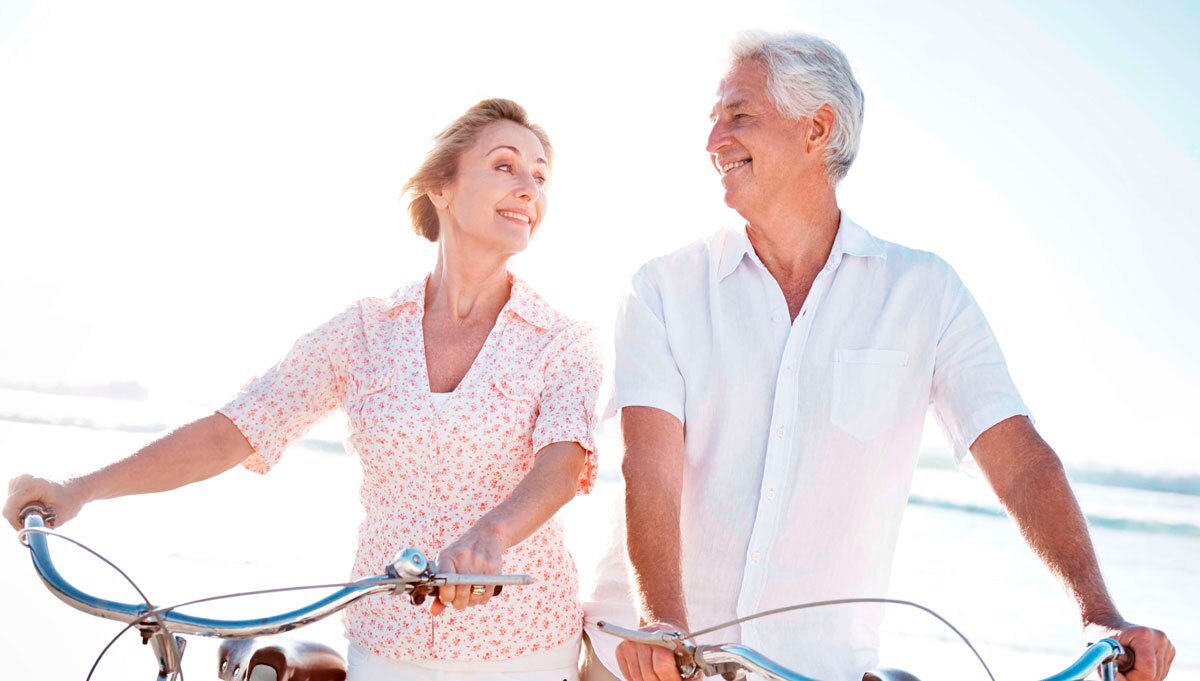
733, 661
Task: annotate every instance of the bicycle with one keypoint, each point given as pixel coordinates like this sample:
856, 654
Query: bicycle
410, 574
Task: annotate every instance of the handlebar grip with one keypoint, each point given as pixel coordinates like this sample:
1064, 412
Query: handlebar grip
35, 508
495, 592
1125, 662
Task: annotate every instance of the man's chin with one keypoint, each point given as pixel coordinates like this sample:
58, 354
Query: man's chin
734, 198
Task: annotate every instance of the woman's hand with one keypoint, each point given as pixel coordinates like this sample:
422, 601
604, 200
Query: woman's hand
476, 552
63, 499
545, 488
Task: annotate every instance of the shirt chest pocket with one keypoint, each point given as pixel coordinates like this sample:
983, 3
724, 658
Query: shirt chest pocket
867, 387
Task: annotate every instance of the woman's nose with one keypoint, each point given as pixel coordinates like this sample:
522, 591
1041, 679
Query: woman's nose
528, 188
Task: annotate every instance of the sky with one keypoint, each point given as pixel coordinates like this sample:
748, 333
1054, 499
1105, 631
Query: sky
185, 189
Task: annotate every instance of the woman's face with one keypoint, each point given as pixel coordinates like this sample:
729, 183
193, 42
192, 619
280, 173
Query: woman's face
498, 198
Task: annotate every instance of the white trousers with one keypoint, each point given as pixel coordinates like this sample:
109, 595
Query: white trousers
363, 666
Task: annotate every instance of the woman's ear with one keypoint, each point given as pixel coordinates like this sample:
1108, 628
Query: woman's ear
439, 197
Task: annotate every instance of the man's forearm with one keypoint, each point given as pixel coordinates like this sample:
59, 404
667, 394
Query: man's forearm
653, 470
1030, 482
652, 535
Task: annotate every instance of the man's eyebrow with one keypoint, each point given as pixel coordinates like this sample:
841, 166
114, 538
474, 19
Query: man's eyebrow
515, 150
732, 105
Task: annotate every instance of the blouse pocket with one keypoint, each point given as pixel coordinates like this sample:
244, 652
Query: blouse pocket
866, 390
366, 403
516, 386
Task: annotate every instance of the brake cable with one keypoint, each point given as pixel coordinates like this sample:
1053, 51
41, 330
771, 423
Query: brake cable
847, 601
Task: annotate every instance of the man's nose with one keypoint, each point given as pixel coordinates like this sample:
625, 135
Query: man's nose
718, 137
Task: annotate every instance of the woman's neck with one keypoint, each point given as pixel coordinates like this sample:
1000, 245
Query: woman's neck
464, 288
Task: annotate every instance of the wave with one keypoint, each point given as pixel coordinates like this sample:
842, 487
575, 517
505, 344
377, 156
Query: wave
1160, 481
1093, 519
151, 427
130, 391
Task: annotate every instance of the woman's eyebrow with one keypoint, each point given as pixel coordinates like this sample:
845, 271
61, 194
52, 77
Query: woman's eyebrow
515, 151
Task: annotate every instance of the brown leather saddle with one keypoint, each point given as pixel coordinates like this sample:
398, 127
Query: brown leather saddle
279, 659
889, 675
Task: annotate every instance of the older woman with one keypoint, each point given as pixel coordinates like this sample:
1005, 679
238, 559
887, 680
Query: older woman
470, 406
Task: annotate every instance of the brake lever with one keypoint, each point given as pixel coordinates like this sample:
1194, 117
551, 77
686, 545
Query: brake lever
421, 579
675, 641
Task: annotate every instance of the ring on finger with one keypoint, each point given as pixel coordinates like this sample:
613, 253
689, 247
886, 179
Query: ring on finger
478, 590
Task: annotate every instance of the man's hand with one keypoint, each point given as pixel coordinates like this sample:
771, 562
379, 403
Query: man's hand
1153, 651
641, 662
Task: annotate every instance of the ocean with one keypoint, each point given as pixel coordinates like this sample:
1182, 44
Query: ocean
958, 554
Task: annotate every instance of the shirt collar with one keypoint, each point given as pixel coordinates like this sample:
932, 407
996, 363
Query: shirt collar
851, 239
522, 301
528, 305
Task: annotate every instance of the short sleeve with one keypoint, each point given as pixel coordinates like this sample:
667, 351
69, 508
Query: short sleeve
645, 372
567, 404
972, 390
277, 408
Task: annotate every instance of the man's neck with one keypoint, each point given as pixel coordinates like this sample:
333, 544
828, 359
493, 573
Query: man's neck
794, 239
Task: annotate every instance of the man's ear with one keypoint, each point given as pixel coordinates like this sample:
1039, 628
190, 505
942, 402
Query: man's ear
821, 128
440, 197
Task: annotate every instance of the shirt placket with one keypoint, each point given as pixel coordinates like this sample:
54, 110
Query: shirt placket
782, 442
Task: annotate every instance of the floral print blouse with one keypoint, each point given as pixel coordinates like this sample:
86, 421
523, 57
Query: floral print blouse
430, 472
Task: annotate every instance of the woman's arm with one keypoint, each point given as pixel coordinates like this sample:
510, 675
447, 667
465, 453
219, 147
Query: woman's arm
551, 482
195, 452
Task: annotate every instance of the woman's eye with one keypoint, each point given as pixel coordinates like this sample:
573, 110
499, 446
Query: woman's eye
504, 167
540, 179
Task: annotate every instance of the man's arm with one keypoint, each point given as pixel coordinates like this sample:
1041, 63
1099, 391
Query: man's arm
1030, 482
653, 470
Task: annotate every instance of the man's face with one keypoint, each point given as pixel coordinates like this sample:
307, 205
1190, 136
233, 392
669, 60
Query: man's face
761, 155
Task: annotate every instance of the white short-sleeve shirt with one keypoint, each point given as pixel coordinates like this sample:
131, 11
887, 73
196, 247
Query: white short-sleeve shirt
801, 436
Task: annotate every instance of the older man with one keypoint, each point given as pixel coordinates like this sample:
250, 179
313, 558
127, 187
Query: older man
773, 382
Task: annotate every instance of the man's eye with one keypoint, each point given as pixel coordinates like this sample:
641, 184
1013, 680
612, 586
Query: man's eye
540, 179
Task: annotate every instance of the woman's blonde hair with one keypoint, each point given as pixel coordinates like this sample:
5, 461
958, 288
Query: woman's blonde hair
441, 163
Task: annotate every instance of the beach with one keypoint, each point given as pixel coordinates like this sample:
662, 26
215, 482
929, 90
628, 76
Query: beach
240, 531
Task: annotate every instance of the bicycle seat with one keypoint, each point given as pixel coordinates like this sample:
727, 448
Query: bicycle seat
279, 659
888, 675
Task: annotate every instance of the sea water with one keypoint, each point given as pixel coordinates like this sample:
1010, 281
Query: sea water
958, 554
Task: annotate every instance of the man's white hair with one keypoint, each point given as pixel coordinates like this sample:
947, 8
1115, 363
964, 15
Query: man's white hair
803, 73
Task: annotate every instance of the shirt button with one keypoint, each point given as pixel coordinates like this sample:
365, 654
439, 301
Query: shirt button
770, 495
778, 318
788, 369
754, 556
779, 432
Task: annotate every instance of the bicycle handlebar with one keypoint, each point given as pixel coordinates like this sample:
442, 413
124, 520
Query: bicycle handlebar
410, 574
729, 658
